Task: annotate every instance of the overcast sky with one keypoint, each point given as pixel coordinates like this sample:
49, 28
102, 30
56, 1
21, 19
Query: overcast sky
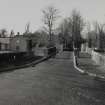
14, 14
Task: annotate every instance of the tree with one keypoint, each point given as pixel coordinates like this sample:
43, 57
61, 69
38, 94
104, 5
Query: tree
89, 34
65, 32
42, 37
12, 33
27, 29
96, 37
77, 27
50, 15
3, 32
77, 23
99, 30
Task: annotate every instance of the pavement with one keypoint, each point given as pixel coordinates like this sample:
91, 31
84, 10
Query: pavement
88, 66
52, 82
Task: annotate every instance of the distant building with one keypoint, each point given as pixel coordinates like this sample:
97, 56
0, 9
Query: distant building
22, 43
4, 44
26, 43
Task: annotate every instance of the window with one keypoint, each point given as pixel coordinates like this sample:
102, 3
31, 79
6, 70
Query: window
6, 46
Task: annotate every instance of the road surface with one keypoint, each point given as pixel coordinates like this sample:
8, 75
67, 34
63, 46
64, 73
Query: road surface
52, 82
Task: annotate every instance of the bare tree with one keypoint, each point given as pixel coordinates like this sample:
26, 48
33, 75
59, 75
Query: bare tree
99, 30
27, 29
77, 24
64, 27
77, 27
12, 33
65, 32
88, 34
50, 15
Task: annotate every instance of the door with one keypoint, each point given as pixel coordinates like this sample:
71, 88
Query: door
29, 45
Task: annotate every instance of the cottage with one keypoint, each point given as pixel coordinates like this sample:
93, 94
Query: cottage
22, 43
4, 43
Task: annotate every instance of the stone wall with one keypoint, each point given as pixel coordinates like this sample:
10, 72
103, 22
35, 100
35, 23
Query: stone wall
98, 58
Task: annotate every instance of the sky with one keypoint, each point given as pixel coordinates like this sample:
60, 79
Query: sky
15, 14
